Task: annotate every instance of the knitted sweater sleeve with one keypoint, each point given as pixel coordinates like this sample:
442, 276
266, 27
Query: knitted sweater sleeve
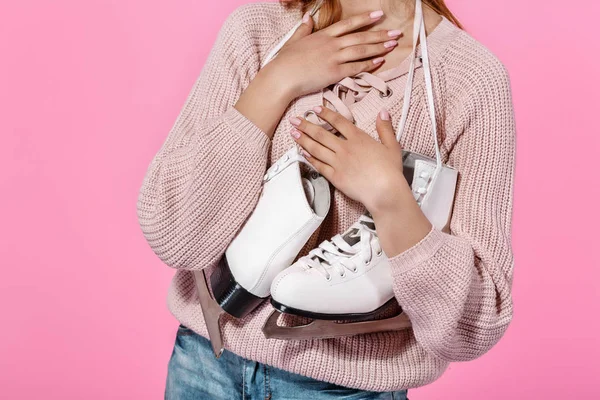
456, 287
206, 178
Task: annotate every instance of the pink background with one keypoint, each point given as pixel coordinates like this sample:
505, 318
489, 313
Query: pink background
89, 90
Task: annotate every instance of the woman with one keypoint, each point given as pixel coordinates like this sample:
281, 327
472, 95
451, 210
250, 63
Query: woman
206, 179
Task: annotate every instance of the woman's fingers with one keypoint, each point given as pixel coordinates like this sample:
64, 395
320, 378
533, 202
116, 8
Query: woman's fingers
385, 129
355, 68
314, 148
324, 169
318, 134
353, 23
305, 28
368, 37
341, 124
361, 52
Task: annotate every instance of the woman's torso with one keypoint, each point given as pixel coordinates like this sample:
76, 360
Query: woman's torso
382, 361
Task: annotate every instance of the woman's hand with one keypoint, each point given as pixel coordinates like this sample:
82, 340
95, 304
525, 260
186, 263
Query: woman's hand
367, 171
311, 61
362, 168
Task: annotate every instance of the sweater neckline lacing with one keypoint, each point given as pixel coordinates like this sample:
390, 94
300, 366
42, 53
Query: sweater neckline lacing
345, 93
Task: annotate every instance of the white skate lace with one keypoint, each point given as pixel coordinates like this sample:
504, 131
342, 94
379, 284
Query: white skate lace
336, 253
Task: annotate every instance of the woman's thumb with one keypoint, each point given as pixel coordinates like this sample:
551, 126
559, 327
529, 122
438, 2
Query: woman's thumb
385, 129
305, 28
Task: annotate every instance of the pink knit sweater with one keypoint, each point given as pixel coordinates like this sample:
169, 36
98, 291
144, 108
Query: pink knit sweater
456, 288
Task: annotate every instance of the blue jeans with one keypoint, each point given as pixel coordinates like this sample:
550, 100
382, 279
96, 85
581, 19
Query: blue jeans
195, 374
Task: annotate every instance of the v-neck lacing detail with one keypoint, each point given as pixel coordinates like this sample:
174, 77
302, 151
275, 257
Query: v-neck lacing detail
345, 93
350, 90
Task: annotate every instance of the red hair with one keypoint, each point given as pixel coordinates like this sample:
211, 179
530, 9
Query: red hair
331, 10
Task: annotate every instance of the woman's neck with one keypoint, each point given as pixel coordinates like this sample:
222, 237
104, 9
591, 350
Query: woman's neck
398, 13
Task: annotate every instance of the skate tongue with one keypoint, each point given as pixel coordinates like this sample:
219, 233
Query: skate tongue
352, 235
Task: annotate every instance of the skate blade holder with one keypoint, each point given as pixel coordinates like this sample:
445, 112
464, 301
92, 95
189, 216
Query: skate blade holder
211, 311
327, 329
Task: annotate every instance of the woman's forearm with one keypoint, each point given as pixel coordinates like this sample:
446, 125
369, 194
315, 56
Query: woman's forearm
399, 220
265, 100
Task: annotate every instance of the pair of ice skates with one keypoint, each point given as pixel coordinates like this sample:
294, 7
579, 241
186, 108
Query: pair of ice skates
344, 284
346, 279
259, 263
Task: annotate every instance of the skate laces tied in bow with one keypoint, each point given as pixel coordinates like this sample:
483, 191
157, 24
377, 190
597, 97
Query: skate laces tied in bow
346, 92
337, 252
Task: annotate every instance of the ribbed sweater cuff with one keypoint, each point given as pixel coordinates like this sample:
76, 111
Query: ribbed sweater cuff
419, 252
255, 137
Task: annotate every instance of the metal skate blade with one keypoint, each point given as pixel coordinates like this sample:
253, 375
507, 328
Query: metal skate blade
322, 329
211, 311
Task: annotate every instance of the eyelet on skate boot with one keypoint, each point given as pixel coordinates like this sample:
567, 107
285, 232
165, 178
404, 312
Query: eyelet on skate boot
379, 253
367, 262
419, 194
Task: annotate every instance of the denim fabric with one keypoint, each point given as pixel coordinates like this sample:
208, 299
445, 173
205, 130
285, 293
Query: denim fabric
195, 374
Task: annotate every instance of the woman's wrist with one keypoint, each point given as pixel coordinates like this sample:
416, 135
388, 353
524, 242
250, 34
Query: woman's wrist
279, 82
399, 220
265, 100
392, 191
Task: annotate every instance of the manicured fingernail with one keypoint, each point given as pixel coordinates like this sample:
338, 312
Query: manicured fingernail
376, 14
295, 133
306, 18
318, 109
305, 154
378, 60
389, 44
394, 33
384, 115
295, 121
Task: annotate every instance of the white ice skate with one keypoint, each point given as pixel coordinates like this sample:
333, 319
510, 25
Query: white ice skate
293, 203
348, 278
290, 209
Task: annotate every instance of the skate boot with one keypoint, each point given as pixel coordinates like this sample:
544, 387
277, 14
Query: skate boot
345, 279
290, 209
293, 203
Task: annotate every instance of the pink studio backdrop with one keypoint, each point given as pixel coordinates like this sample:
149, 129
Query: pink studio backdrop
89, 90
